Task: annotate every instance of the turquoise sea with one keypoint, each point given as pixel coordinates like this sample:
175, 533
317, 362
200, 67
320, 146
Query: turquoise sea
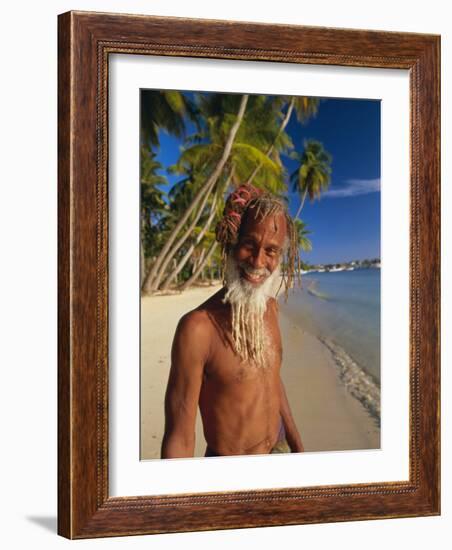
343, 308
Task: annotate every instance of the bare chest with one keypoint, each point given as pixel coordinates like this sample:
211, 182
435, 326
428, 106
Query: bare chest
226, 367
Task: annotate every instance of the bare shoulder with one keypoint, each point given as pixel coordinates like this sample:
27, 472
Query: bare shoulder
195, 329
193, 336
194, 323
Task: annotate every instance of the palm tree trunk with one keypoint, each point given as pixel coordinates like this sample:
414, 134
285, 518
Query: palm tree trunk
148, 285
300, 208
179, 243
190, 251
200, 236
200, 267
284, 123
199, 259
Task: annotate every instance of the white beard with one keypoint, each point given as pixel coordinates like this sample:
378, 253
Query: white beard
248, 305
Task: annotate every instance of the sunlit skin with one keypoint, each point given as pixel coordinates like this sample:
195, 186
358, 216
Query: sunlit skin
241, 406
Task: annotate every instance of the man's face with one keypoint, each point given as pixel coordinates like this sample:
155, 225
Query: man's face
260, 247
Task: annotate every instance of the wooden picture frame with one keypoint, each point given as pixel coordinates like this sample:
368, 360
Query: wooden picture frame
85, 42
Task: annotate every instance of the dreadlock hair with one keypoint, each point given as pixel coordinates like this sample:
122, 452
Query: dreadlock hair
248, 332
265, 204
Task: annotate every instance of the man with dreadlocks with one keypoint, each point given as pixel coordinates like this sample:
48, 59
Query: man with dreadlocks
227, 353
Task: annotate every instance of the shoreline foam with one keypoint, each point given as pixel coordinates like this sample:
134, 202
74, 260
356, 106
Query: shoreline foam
355, 378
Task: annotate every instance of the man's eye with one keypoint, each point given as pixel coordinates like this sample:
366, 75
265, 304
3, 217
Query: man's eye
272, 252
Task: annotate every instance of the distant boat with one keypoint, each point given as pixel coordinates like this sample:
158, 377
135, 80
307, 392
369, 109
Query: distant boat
349, 269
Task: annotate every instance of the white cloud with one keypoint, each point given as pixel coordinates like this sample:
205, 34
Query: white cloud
354, 188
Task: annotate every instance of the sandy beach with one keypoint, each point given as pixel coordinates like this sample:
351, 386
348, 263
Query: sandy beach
327, 415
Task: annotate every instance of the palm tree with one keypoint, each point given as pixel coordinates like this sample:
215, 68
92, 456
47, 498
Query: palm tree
304, 107
159, 110
199, 232
250, 149
221, 154
254, 137
205, 189
206, 258
163, 110
313, 174
257, 130
302, 234
152, 203
198, 161
151, 196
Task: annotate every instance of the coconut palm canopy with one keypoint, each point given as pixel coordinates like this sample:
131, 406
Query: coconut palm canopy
223, 141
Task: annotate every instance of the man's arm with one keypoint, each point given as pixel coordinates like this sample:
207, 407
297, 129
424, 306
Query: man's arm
188, 357
292, 434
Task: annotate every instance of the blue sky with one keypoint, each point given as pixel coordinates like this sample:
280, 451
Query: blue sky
345, 222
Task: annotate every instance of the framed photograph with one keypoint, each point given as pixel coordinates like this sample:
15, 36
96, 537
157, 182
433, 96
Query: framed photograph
248, 275
332, 319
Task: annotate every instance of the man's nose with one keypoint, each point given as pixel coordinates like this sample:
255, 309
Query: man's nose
258, 259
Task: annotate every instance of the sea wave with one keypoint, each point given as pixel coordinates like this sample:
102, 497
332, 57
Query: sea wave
312, 289
356, 380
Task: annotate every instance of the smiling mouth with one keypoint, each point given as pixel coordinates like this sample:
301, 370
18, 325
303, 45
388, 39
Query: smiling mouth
253, 278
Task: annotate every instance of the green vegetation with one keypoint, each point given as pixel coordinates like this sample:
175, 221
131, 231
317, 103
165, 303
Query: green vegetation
234, 139
312, 175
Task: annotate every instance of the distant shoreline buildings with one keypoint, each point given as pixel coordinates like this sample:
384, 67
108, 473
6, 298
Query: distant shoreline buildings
373, 263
